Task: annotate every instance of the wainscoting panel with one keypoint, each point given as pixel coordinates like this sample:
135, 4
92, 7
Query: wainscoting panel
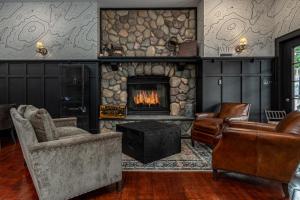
38, 83
237, 79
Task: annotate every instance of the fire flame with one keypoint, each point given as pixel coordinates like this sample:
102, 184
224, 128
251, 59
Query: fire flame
146, 98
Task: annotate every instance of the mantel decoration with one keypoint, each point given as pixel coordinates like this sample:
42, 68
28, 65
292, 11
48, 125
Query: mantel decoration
172, 45
113, 111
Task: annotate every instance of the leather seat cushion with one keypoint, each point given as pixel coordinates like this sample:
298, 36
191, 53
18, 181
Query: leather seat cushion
233, 110
209, 125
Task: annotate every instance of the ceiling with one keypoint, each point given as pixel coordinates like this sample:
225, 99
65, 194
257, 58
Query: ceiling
147, 3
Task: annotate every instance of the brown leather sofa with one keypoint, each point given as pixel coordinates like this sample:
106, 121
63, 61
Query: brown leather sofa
261, 150
208, 127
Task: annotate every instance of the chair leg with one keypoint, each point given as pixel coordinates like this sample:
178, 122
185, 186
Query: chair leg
119, 186
13, 135
215, 174
285, 188
193, 143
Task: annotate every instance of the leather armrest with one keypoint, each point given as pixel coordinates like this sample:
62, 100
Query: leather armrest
205, 115
251, 125
237, 118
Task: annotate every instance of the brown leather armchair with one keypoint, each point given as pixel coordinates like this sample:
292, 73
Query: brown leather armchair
208, 127
261, 150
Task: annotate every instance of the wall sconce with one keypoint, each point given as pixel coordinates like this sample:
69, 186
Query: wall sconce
242, 46
40, 48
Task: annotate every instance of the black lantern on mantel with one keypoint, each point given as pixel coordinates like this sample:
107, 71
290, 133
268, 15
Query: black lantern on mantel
172, 45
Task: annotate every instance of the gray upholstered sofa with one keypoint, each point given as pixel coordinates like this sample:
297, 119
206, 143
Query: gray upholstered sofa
73, 164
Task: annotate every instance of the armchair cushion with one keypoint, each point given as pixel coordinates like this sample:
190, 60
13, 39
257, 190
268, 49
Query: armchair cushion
42, 123
234, 110
209, 125
251, 125
204, 115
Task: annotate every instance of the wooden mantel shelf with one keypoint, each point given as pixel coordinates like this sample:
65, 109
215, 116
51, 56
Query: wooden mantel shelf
144, 59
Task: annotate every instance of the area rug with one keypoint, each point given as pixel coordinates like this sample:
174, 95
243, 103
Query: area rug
196, 158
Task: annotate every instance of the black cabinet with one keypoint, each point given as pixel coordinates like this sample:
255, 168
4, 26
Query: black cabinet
40, 83
247, 80
75, 93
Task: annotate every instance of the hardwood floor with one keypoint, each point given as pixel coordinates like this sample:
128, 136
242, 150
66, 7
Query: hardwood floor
16, 184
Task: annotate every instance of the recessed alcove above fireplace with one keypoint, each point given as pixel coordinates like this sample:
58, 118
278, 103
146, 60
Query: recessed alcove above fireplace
148, 95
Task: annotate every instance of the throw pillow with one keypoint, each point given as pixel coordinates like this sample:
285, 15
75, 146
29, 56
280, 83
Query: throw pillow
42, 124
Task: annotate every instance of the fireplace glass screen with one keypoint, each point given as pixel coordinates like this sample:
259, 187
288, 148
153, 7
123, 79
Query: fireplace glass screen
148, 95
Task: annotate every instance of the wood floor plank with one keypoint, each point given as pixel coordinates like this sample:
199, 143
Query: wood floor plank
16, 184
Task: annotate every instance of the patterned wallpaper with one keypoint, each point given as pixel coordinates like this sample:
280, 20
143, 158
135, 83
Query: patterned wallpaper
226, 21
68, 30
287, 16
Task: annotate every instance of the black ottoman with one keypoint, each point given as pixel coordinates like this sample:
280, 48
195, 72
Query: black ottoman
148, 141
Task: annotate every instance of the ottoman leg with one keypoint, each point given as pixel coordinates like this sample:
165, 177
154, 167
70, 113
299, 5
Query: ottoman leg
193, 143
119, 186
285, 188
215, 174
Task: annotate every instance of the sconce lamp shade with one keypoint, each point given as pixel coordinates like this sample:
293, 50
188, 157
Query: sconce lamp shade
242, 46
243, 41
40, 48
39, 45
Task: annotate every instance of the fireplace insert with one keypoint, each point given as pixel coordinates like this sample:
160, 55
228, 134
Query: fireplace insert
148, 95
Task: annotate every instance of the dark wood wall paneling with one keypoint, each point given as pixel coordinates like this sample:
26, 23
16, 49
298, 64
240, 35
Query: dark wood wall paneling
246, 80
218, 80
38, 83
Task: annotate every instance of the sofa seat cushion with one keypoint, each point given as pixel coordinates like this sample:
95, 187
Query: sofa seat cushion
42, 124
70, 131
72, 136
209, 125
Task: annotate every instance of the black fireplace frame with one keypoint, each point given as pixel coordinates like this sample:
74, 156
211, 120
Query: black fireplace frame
149, 79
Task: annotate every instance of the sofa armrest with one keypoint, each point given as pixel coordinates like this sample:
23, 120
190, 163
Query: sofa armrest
251, 125
204, 115
61, 122
73, 141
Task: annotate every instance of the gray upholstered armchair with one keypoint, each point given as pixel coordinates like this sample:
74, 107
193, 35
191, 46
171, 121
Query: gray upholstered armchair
75, 163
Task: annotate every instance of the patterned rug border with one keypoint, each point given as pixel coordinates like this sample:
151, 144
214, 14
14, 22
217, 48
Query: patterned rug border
202, 162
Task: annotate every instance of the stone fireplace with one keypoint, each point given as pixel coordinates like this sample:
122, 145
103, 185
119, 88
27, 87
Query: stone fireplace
145, 33
182, 90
